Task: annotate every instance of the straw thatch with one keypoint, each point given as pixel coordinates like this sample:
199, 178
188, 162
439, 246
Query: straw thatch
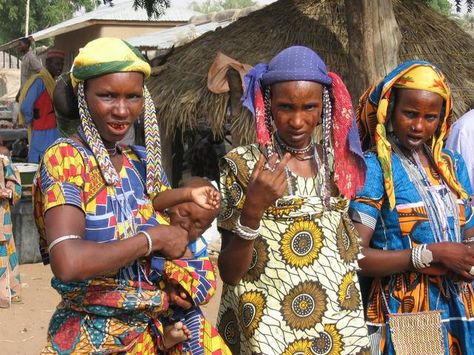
180, 90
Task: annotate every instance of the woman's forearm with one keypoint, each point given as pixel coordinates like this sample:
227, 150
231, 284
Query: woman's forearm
234, 258
77, 260
380, 263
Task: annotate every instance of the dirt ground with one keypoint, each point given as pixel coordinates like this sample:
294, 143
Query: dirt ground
23, 326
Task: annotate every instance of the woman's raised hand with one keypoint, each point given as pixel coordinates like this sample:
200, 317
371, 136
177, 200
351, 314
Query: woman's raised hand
206, 197
268, 181
456, 257
170, 241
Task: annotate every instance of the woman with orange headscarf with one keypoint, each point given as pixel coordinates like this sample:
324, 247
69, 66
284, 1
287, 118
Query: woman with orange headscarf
414, 218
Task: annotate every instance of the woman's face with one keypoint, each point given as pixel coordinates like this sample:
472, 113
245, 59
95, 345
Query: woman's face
296, 109
416, 117
115, 101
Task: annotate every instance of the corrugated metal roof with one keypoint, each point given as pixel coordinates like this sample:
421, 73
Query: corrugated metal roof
121, 11
174, 36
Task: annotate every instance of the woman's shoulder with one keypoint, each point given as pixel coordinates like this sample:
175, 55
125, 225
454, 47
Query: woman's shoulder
65, 149
245, 151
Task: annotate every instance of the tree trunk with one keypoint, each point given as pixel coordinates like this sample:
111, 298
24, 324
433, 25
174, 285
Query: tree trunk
374, 39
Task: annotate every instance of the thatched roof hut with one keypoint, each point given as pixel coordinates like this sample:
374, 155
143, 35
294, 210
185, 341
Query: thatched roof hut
180, 90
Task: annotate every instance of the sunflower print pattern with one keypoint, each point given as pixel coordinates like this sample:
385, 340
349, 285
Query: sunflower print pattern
301, 293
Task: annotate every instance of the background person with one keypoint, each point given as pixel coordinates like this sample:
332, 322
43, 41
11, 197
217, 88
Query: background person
30, 63
36, 106
461, 140
289, 251
413, 216
10, 193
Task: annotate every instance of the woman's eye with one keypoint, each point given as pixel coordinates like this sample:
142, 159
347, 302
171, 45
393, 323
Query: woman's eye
284, 107
410, 114
431, 118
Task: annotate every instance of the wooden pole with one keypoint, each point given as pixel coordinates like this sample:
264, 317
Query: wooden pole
27, 19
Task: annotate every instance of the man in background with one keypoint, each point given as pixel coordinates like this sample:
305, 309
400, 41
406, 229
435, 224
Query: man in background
30, 63
36, 106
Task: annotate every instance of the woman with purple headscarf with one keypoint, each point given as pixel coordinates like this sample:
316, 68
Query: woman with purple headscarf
289, 252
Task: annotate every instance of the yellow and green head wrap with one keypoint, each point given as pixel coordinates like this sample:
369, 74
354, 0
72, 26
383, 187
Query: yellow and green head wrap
112, 55
373, 111
107, 55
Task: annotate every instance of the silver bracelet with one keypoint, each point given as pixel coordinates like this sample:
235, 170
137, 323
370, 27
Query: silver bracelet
149, 242
62, 239
468, 240
416, 259
245, 232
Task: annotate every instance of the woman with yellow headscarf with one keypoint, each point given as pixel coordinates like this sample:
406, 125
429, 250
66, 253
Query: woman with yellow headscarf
414, 218
94, 209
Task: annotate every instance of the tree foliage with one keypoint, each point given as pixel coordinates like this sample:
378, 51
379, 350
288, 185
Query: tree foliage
149, 5
442, 6
218, 5
43, 14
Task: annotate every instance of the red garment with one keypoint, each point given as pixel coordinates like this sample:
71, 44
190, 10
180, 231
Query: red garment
43, 113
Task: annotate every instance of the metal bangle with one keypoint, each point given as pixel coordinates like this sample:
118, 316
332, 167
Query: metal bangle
149, 242
468, 240
246, 232
62, 239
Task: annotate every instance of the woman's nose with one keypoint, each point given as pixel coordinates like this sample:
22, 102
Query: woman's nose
297, 120
120, 108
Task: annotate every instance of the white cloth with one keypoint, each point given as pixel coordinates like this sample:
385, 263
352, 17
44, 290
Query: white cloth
461, 139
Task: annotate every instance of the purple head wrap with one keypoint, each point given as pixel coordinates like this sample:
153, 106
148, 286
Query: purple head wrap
296, 63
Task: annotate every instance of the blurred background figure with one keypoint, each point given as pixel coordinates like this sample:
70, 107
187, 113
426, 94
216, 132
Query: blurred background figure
36, 106
461, 139
10, 192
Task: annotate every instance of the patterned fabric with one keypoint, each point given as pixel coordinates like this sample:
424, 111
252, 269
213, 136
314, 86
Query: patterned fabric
105, 313
198, 279
301, 292
403, 228
120, 312
10, 284
372, 117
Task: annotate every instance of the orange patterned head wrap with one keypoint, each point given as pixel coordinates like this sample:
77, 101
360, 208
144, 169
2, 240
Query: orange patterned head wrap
373, 110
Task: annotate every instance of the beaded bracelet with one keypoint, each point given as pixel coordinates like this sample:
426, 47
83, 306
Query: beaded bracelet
149, 242
245, 232
416, 257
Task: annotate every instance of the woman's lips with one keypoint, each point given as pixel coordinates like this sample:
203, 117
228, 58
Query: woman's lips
118, 126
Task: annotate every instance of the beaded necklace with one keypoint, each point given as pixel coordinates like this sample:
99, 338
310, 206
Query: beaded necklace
438, 208
291, 180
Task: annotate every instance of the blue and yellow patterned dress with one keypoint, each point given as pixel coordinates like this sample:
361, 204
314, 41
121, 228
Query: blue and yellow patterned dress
403, 228
120, 312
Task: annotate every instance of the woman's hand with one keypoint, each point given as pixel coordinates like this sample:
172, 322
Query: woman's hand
458, 258
268, 181
6, 193
170, 241
206, 197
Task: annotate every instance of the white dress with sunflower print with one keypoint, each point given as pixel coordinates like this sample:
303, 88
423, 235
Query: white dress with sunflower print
301, 293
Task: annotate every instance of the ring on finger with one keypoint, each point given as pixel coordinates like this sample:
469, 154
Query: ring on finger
268, 167
471, 271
